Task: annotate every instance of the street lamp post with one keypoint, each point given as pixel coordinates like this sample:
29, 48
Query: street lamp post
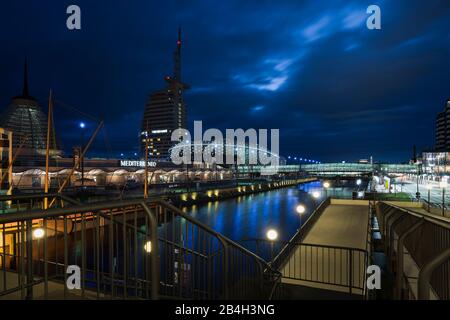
38, 234
82, 126
443, 185
417, 180
300, 210
326, 185
271, 235
316, 196
429, 187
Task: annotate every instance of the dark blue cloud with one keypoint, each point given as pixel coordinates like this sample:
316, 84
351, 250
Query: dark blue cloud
336, 90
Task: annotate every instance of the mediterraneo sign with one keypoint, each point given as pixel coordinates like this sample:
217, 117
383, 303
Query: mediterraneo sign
136, 163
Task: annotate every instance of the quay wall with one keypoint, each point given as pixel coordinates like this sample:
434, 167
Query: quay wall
191, 198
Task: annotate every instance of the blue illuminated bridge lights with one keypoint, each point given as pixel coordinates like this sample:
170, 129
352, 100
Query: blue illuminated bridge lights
303, 160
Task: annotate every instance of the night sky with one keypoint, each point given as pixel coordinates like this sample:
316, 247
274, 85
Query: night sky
336, 90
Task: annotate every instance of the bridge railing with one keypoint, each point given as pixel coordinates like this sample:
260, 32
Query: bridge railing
124, 249
422, 242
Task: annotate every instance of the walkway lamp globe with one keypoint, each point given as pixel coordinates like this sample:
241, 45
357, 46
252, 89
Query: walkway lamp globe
326, 184
148, 247
300, 209
316, 194
272, 234
38, 233
358, 182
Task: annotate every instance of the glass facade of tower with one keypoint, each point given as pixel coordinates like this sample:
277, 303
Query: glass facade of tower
165, 112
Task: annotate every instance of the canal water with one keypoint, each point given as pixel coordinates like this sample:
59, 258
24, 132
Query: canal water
247, 219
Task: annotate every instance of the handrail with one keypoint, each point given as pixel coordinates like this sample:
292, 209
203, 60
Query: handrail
438, 220
207, 228
54, 212
312, 244
342, 275
428, 259
38, 195
146, 205
400, 258
426, 272
301, 231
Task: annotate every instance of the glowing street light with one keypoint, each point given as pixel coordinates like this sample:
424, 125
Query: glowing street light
300, 209
272, 234
82, 125
316, 194
358, 182
38, 233
148, 247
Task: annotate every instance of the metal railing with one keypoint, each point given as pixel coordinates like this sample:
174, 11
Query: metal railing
125, 249
14, 203
337, 266
328, 265
426, 238
222, 268
284, 255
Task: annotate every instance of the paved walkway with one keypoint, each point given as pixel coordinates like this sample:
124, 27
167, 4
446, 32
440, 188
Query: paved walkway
318, 263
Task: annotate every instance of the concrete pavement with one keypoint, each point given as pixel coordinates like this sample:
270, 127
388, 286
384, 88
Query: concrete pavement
319, 263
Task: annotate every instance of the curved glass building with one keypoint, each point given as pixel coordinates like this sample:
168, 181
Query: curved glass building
28, 123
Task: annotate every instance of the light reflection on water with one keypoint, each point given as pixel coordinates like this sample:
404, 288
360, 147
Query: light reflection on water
249, 217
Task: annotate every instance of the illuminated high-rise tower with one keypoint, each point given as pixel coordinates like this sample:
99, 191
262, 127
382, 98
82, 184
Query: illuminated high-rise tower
443, 129
165, 112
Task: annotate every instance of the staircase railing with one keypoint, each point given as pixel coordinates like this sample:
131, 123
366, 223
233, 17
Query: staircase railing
124, 249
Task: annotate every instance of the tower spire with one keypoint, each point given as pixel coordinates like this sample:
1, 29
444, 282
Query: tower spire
177, 58
25, 92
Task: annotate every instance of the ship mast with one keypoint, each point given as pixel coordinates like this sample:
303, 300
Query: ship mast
47, 149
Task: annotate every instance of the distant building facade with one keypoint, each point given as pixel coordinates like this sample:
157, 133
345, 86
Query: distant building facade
165, 112
443, 129
436, 162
